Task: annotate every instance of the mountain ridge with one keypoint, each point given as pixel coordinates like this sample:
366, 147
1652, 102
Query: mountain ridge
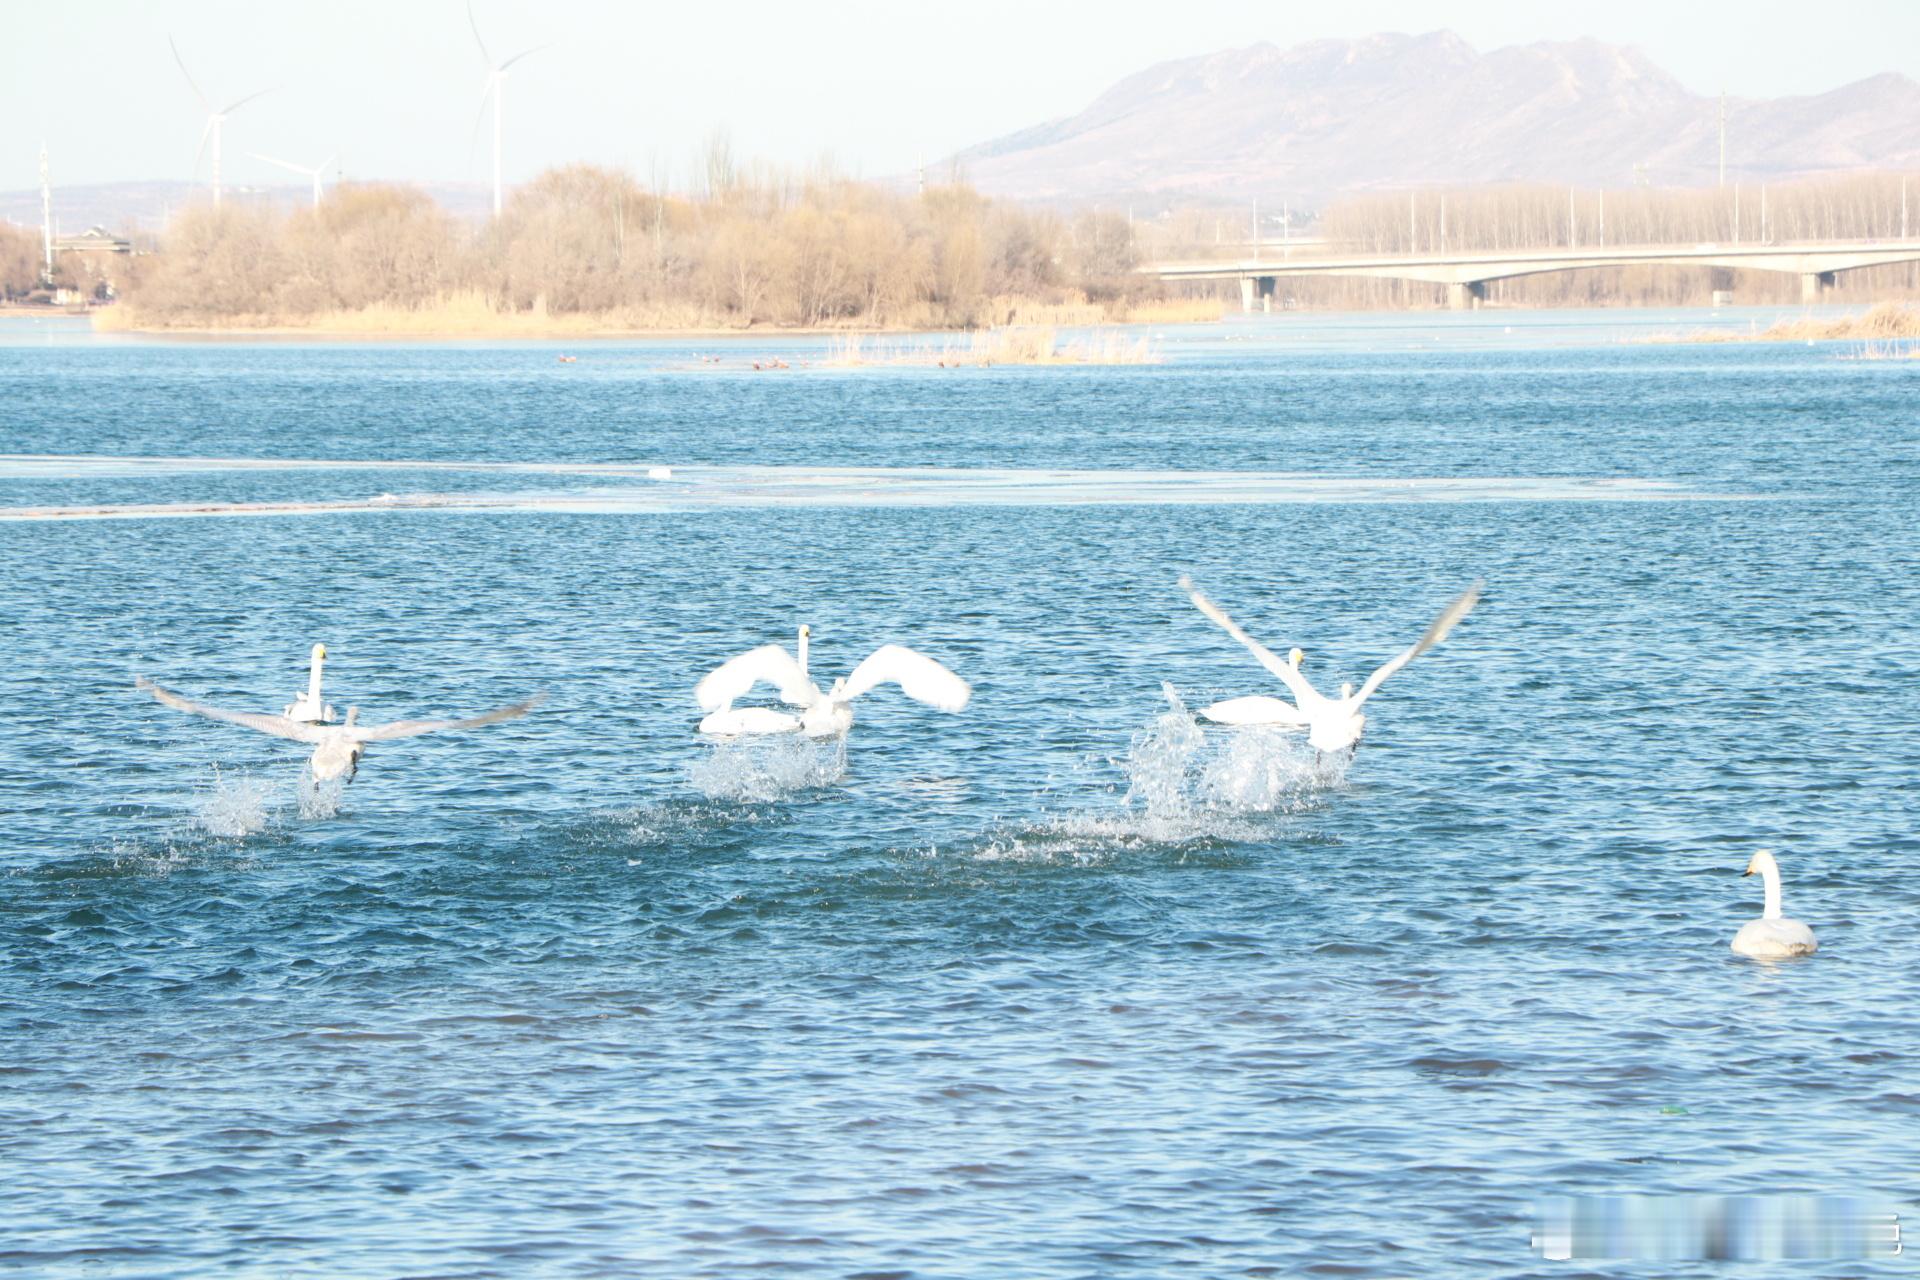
1392, 110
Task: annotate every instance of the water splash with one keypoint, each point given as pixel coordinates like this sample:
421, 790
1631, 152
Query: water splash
234, 807
1177, 770
768, 767
1185, 787
319, 799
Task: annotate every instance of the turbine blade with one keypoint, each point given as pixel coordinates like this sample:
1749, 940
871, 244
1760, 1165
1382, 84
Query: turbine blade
484, 55
249, 98
205, 131
523, 53
479, 118
191, 84
284, 164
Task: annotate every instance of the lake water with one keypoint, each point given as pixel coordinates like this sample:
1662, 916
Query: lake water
1057, 987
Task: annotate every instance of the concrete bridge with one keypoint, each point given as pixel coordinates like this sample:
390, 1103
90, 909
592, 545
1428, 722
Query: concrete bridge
1466, 274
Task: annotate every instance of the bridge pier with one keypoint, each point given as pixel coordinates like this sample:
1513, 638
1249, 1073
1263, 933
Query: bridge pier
1462, 297
1263, 287
1814, 285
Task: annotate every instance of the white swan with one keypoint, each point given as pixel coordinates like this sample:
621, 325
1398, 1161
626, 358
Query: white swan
822, 715
1772, 936
337, 748
1332, 724
308, 708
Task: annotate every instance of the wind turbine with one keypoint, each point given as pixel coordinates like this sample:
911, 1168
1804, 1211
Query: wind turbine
313, 173
496, 89
214, 118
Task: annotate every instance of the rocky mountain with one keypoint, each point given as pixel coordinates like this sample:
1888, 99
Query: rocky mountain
1391, 111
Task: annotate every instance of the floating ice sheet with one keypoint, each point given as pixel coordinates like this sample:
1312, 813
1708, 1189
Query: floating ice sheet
686, 488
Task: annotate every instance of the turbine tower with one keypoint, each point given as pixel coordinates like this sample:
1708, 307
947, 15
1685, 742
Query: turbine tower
313, 173
47, 219
496, 87
214, 119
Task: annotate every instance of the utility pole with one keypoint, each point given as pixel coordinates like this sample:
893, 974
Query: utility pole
46, 220
1723, 139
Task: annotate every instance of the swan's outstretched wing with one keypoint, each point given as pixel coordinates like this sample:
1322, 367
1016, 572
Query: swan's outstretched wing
413, 728
1303, 693
1449, 617
919, 677
279, 726
735, 677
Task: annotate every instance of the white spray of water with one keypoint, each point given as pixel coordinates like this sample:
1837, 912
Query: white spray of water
234, 806
768, 767
1185, 785
1178, 773
320, 798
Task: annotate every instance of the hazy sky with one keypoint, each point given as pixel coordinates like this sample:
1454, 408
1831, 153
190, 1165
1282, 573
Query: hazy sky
394, 85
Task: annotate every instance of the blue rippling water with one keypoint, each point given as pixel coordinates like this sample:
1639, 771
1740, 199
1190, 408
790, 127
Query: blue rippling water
1053, 988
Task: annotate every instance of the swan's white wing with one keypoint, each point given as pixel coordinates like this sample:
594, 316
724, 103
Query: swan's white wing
1255, 710
1303, 693
412, 728
1449, 617
736, 677
919, 677
279, 726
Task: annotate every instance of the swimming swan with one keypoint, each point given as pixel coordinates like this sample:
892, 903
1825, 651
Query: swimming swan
821, 715
1331, 723
1772, 936
308, 708
337, 748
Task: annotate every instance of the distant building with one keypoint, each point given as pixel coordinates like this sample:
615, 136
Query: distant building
92, 240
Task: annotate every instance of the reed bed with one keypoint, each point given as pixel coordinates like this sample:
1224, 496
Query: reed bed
1888, 322
1887, 349
472, 313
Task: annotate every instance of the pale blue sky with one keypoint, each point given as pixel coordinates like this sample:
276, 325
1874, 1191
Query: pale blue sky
394, 85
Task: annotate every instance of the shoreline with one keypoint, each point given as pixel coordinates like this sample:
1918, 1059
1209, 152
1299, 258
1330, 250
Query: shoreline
1838, 328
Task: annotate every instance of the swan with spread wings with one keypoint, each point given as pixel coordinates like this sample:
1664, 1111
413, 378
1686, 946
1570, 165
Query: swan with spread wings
337, 748
1332, 724
817, 714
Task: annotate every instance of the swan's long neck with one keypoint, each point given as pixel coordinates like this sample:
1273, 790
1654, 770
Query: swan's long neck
802, 646
1771, 874
313, 677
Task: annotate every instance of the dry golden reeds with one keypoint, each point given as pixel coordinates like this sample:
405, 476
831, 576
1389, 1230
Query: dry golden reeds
1886, 322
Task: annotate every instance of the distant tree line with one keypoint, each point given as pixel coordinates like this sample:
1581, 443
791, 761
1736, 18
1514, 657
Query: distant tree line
589, 241
818, 250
